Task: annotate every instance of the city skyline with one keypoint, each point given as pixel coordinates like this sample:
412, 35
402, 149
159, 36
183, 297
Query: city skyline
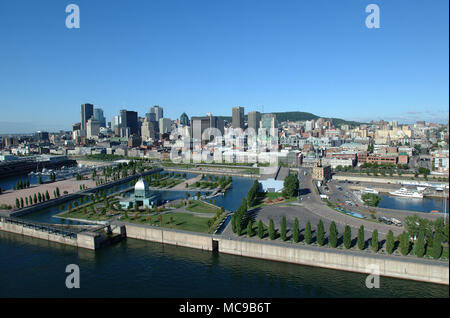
179, 56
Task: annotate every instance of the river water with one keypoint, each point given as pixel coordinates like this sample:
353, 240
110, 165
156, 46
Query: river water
133, 268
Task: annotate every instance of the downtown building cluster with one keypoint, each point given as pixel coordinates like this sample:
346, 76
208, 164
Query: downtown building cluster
318, 142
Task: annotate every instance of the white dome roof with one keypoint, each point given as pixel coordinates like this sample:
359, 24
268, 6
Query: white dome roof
141, 185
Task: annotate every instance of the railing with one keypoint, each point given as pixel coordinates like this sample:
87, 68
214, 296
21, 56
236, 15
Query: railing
39, 227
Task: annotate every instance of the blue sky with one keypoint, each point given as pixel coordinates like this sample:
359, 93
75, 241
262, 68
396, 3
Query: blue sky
203, 56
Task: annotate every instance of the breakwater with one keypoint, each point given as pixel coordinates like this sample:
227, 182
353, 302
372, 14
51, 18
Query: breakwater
392, 266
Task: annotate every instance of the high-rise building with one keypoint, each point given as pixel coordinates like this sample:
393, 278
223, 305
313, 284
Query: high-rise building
200, 124
129, 119
149, 129
158, 111
164, 125
238, 117
253, 120
184, 119
269, 124
92, 128
150, 116
87, 111
98, 116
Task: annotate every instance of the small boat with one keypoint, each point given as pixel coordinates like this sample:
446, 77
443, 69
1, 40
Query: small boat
434, 211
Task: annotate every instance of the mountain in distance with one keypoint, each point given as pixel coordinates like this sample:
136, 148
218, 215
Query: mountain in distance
301, 116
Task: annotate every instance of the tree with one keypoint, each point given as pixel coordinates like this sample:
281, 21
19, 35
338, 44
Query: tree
404, 243
320, 233
290, 186
260, 229
419, 246
390, 243
40, 180
332, 237
436, 249
271, 230
296, 232
283, 228
347, 237
250, 228
374, 241
360, 240
308, 234
17, 203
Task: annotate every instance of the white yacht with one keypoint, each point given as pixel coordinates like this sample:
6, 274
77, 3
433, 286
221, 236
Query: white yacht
404, 192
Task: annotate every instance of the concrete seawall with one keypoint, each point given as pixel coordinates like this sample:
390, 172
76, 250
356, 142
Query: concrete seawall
393, 266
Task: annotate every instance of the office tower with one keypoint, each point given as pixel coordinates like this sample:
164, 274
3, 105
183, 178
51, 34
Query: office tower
76, 126
238, 117
115, 122
92, 128
149, 129
253, 121
200, 124
129, 119
158, 111
150, 116
184, 119
164, 125
87, 111
269, 124
98, 116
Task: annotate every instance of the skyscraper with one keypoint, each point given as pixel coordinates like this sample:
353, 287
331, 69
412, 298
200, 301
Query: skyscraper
238, 117
184, 119
98, 116
253, 120
158, 111
129, 119
164, 125
87, 111
269, 124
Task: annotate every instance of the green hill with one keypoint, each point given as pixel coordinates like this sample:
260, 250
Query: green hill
300, 116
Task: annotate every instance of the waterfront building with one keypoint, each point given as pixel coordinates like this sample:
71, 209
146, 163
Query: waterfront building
321, 172
142, 197
238, 117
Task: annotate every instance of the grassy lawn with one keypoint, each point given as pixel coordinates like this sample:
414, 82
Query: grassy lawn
179, 221
201, 207
85, 216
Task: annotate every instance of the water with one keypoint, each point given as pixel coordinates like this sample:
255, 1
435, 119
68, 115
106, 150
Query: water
10, 182
231, 200
420, 205
133, 268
